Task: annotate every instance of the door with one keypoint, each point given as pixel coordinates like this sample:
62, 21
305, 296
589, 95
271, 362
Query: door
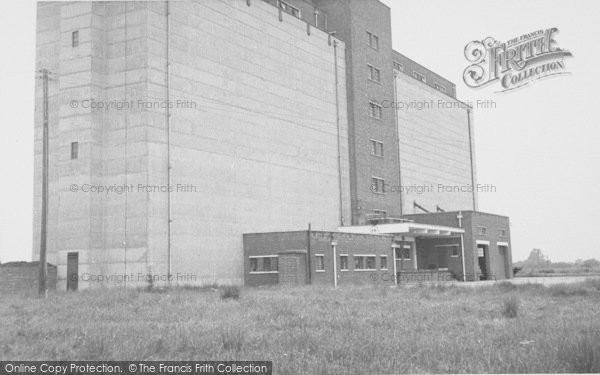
504, 259
72, 271
482, 251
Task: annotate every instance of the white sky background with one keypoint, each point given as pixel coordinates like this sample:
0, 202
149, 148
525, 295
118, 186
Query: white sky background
540, 146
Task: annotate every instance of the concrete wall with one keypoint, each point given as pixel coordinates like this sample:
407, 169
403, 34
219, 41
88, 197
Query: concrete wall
436, 145
253, 133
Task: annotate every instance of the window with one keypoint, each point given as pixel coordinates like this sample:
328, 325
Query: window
290, 9
374, 74
75, 38
502, 232
380, 212
344, 262
264, 264
364, 262
398, 66
376, 148
383, 262
378, 185
375, 110
320, 264
482, 231
403, 253
440, 87
74, 150
419, 77
373, 41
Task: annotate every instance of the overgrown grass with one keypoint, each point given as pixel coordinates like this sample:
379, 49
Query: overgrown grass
319, 330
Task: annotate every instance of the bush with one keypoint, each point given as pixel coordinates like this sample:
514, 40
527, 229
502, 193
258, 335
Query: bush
511, 307
230, 291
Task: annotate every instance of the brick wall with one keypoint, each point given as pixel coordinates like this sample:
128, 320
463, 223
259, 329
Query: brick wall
23, 276
292, 267
499, 268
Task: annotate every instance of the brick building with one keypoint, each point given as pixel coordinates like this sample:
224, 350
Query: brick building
257, 116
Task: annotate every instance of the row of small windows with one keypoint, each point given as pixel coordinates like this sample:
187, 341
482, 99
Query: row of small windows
482, 231
419, 77
361, 262
266, 264
270, 264
290, 9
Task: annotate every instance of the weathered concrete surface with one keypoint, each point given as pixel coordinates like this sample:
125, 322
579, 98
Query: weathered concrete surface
253, 134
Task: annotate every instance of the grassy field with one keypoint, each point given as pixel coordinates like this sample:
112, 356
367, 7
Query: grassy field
502, 328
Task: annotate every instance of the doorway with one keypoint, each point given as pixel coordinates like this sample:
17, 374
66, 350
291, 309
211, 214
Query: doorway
72, 271
482, 255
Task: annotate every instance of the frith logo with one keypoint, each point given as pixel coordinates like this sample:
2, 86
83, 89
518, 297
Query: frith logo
515, 63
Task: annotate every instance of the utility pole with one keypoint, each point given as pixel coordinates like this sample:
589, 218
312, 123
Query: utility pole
43, 268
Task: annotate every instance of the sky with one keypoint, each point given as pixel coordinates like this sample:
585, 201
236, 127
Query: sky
539, 146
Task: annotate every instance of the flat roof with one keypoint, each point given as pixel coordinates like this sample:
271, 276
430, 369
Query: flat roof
410, 229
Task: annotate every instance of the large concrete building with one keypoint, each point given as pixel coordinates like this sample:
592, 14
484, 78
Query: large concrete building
177, 127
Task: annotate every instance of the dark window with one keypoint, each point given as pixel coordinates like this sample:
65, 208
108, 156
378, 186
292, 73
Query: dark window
359, 262
502, 232
264, 264
75, 38
374, 74
371, 263
454, 251
376, 148
74, 150
383, 262
375, 110
482, 231
380, 212
398, 66
343, 262
373, 41
377, 185
419, 77
440, 87
320, 263
403, 253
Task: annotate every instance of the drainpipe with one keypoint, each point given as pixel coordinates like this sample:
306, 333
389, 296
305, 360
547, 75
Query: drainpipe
472, 159
168, 126
396, 124
308, 262
337, 119
394, 246
334, 249
462, 246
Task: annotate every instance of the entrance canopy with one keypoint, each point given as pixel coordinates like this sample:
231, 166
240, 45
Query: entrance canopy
405, 229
